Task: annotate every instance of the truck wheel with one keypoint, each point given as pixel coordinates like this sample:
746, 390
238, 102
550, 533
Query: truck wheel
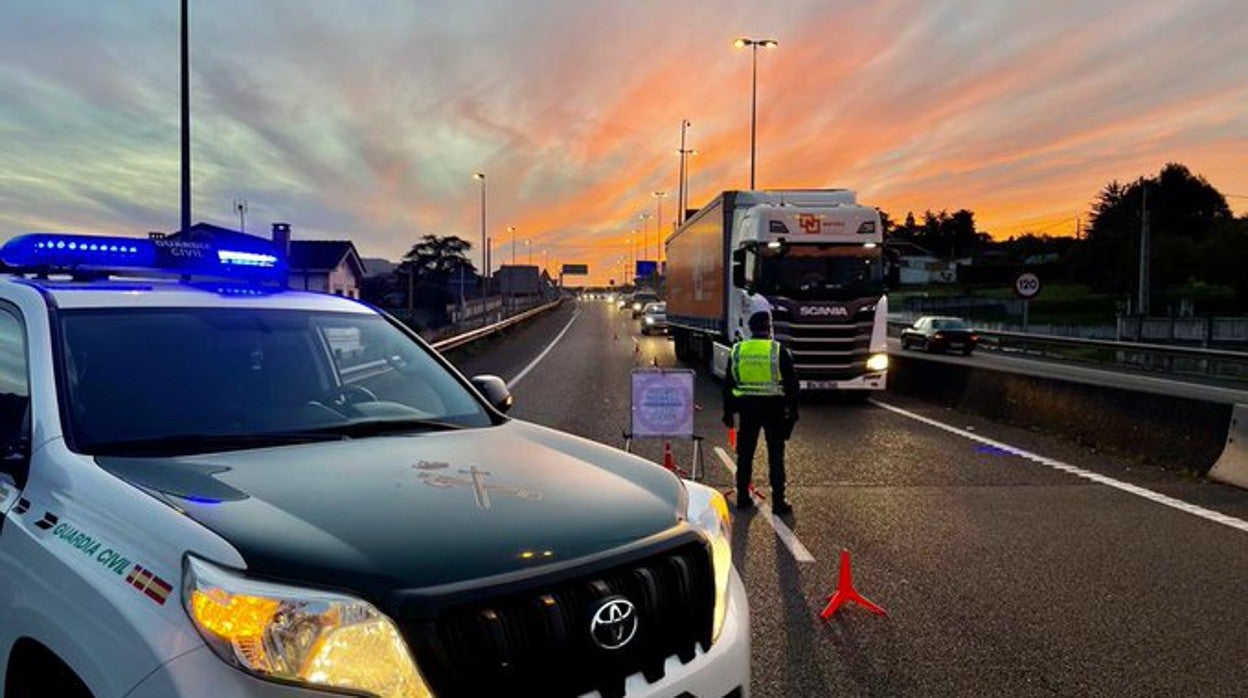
681, 340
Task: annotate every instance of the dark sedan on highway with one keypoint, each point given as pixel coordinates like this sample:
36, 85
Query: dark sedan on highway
939, 334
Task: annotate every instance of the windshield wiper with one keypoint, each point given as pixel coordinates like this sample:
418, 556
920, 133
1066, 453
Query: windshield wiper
186, 444
379, 427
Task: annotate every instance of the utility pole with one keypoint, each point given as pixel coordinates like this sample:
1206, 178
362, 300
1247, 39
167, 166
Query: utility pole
1142, 301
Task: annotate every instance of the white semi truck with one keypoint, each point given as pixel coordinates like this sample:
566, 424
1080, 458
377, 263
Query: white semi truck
817, 258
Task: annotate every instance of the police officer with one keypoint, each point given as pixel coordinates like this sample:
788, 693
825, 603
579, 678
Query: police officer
761, 386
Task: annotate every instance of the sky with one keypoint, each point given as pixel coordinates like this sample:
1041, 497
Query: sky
365, 119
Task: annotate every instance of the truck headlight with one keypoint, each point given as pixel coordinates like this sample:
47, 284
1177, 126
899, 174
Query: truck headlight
649, 321
708, 512
304, 636
877, 363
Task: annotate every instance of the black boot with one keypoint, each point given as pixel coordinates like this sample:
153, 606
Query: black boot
744, 501
780, 506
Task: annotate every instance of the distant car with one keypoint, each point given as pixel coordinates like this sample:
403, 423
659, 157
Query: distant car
640, 300
624, 301
654, 318
940, 334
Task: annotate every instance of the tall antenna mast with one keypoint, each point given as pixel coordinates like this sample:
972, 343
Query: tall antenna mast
240, 207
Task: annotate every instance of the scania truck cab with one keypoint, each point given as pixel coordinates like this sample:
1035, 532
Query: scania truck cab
814, 259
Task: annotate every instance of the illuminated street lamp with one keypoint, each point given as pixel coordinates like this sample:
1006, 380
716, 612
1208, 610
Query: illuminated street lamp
753, 44
512, 229
484, 244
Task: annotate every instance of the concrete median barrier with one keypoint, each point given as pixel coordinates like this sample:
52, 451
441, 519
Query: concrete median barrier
1232, 465
1173, 432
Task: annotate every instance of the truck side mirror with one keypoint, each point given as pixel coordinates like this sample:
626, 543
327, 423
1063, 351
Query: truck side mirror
738, 269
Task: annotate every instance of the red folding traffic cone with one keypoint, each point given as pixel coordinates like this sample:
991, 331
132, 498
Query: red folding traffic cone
846, 593
669, 461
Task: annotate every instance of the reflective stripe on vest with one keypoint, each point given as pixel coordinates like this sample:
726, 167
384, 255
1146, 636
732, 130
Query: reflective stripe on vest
756, 368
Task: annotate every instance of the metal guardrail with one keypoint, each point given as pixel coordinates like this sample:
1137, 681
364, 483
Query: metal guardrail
1162, 358
369, 369
460, 340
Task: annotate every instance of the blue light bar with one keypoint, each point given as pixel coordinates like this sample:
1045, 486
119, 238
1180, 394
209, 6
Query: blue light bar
69, 253
246, 259
45, 250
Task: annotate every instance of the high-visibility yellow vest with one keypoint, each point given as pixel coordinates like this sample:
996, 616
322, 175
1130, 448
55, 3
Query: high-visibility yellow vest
756, 368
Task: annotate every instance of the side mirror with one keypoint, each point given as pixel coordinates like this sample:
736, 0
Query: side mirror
738, 268
495, 391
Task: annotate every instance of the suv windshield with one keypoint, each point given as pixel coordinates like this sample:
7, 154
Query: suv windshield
212, 378
804, 270
942, 324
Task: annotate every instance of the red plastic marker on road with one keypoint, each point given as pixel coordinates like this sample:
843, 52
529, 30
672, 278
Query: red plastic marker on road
846, 593
669, 461
732, 438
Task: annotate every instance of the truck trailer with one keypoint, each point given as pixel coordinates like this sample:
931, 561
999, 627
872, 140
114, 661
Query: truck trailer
816, 256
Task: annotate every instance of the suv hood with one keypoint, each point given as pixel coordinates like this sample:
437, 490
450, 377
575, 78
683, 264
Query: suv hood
386, 513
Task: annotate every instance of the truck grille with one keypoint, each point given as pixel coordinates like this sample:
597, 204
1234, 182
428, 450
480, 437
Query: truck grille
823, 348
537, 641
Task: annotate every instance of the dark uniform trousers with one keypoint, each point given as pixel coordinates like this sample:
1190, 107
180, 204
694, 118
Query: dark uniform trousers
765, 415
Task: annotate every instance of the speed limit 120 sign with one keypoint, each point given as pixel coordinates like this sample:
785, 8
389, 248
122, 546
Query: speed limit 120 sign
1026, 285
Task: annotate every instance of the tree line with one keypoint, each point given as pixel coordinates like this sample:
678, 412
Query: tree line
1198, 246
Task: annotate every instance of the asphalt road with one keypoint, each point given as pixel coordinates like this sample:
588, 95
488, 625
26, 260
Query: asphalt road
1194, 387
1002, 575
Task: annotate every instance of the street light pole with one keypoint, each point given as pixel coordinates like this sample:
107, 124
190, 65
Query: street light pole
753, 44
512, 229
645, 233
186, 121
680, 180
1145, 252
658, 225
485, 250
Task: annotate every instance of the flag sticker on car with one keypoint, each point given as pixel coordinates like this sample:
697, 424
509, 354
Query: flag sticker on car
152, 586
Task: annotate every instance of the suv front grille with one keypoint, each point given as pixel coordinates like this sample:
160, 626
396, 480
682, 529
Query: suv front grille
537, 641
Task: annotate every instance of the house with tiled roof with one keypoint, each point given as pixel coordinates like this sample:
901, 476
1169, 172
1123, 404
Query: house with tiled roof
326, 266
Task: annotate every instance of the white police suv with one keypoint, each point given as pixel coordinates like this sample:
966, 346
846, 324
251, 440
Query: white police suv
213, 486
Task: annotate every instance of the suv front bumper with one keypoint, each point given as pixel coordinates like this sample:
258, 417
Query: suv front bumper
713, 674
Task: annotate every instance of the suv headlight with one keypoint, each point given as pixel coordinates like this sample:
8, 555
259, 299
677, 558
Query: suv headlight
304, 636
708, 512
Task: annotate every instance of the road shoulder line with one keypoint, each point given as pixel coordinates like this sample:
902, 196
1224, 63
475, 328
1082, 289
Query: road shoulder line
786, 535
538, 359
1150, 495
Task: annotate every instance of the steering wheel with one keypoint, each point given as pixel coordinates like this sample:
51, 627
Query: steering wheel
347, 395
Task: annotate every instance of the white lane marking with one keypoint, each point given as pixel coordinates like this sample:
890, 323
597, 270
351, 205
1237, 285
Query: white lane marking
1157, 497
532, 364
786, 536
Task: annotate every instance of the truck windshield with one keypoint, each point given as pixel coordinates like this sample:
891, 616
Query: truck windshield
235, 376
818, 271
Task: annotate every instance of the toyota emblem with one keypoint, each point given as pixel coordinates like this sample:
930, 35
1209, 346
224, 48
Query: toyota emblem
614, 623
